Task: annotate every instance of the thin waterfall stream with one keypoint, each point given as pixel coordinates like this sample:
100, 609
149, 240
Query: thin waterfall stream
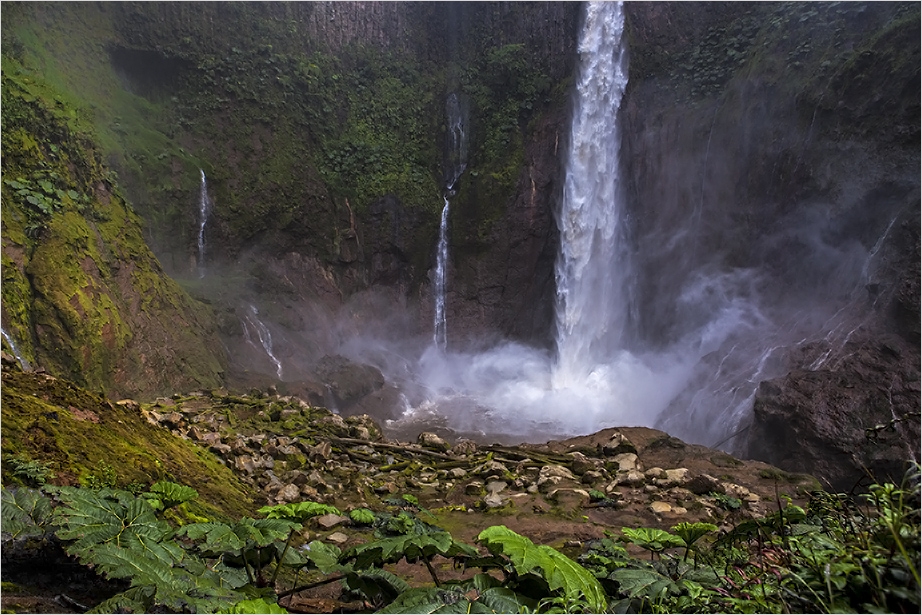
204, 209
456, 162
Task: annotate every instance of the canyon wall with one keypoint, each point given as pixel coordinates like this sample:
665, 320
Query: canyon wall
771, 164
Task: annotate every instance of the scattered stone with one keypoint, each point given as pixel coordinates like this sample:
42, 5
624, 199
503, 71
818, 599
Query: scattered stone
654, 473
617, 445
337, 538
677, 476
464, 447
734, 490
219, 448
632, 478
494, 500
660, 507
329, 521
457, 472
592, 477
431, 440
475, 487
491, 469
496, 486
703, 484
288, 493
582, 464
626, 462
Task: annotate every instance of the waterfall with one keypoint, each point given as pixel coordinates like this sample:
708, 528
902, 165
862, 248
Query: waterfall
204, 207
592, 271
455, 163
264, 336
23, 364
440, 328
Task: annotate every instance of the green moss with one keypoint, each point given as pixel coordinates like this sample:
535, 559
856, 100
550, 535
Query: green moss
83, 288
78, 433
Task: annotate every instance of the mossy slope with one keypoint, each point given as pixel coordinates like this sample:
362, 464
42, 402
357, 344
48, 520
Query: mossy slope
83, 295
83, 437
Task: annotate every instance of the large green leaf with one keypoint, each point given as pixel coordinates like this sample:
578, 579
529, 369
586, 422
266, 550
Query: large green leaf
409, 546
24, 512
165, 494
643, 583
256, 605
378, 585
652, 539
459, 599
323, 556
559, 571
299, 511
94, 517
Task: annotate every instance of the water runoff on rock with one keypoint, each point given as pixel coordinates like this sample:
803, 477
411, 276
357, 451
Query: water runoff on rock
252, 322
23, 363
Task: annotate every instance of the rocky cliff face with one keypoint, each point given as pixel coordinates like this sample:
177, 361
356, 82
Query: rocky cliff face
773, 158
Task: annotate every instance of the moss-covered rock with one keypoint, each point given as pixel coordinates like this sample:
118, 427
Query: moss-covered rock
83, 438
83, 295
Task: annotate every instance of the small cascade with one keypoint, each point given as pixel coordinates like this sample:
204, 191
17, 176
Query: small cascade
204, 209
263, 335
455, 163
23, 363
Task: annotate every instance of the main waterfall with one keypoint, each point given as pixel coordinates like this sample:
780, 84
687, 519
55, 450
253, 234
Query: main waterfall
592, 271
592, 381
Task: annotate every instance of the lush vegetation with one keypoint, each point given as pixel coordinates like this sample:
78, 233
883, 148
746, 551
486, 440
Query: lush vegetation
836, 555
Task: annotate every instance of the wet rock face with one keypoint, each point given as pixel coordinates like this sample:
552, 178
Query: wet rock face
843, 424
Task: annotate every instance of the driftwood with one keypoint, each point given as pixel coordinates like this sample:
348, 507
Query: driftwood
392, 447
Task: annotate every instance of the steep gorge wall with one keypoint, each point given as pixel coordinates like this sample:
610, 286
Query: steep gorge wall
773, 158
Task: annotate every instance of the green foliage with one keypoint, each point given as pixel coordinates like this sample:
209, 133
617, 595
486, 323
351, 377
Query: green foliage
726, 502
256, 605
362, 516
299, 512
412, 547
25, 512
835, 555
559, 571
653, 540
166, 494
29, 472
